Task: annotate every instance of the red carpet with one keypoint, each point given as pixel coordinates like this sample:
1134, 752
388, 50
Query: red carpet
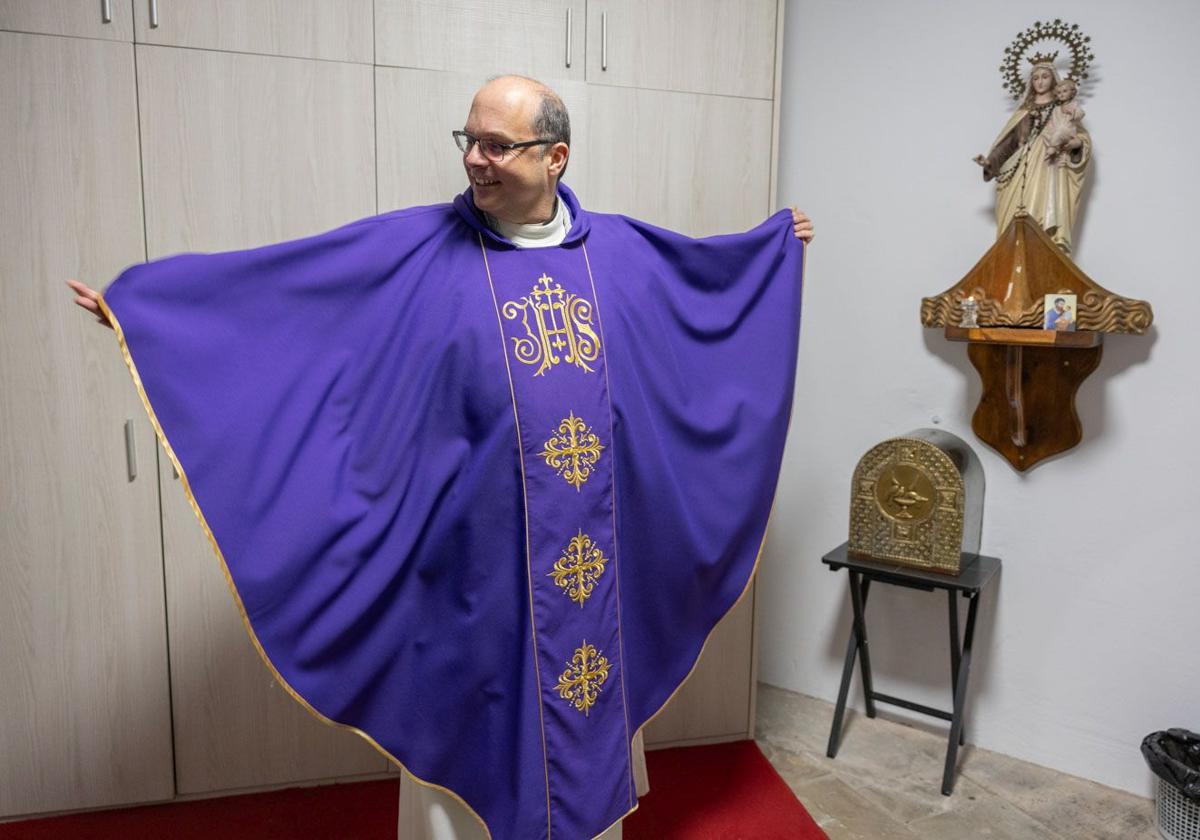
353, 811
718, 792
721, 792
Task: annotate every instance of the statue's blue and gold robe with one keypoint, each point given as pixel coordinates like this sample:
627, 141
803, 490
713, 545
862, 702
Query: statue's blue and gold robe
481, 504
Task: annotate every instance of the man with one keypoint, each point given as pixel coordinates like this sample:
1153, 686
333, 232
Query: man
1059, 318
432, 446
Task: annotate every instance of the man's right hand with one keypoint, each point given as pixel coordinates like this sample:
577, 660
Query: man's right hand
87, 298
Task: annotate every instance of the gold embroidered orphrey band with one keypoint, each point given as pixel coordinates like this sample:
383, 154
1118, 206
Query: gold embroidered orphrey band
561, 321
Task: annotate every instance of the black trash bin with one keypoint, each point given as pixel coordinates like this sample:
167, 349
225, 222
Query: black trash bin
1174, 756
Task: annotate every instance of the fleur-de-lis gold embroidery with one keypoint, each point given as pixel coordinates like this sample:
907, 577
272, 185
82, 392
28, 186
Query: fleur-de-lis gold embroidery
573, 451
579, 567
561, 321
580, 684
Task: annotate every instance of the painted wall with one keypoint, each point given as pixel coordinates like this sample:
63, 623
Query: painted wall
1092, 638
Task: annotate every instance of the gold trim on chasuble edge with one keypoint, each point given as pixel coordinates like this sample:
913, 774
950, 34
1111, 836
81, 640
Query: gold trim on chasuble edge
563, 321
186, 485
578, 568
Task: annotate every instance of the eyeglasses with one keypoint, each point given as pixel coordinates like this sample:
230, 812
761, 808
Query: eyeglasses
492, 149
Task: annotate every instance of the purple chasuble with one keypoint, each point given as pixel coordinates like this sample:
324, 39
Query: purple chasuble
481, 504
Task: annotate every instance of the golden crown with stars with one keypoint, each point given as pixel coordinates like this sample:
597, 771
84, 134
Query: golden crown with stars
1067, 34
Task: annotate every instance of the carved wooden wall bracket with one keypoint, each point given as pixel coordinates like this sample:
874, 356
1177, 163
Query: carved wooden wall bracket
1030, 376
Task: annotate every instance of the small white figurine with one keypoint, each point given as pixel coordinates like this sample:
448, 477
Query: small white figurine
970, 314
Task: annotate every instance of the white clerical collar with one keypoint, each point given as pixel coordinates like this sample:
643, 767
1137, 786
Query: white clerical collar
538, 234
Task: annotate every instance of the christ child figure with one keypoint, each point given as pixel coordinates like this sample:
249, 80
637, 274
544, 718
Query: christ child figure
1063, 321
1062, 127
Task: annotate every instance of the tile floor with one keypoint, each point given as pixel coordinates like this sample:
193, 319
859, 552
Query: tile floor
886, 783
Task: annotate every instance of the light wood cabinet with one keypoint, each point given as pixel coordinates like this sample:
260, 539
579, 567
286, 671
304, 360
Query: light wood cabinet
693, 163
243, 150
84, 706
334, 30
724, 47
482, 38
112, 20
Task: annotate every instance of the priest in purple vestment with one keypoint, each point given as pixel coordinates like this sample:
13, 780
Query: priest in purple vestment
483, 476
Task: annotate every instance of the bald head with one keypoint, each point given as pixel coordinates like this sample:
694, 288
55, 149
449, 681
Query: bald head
518, 184
544, 110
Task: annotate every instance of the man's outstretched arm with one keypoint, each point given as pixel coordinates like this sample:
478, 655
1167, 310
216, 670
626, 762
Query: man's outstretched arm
86, 297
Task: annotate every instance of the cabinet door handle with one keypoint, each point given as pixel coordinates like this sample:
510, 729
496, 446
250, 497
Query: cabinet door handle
130, 451
154, 14
604, 40
568, 36
106, 11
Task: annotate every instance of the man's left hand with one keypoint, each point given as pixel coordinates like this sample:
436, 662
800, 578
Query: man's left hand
802, 225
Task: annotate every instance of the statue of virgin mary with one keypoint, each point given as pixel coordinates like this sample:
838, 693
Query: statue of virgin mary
1030, 176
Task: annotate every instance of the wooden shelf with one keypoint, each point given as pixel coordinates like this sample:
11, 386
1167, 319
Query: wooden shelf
1024, 336
1029, 375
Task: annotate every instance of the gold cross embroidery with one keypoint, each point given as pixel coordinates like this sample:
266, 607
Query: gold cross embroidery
580, 684
573, 451
579, 567
561, 321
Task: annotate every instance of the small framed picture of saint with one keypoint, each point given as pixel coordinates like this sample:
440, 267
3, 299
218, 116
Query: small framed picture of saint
1060, 313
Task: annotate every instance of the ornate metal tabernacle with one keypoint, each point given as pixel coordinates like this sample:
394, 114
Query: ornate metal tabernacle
917, 500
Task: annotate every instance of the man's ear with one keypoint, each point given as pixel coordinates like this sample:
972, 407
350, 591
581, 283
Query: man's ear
559, 154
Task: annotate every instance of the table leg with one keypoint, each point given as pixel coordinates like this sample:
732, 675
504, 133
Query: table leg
858, 600
960, 696
839, 711
955, 655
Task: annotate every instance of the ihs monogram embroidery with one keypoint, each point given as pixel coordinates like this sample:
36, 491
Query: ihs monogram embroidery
580, 684
573, 451
579, 567
561, 322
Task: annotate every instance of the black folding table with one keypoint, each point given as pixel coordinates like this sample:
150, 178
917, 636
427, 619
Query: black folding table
977, 571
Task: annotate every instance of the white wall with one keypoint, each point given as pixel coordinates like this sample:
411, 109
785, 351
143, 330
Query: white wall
1092, 638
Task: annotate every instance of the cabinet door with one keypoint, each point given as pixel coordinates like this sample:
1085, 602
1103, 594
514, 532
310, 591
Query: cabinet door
112, 20
700, 165
242, 150
716, 703
338, 30
415, 112
539, 38
702, 46
84, 705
